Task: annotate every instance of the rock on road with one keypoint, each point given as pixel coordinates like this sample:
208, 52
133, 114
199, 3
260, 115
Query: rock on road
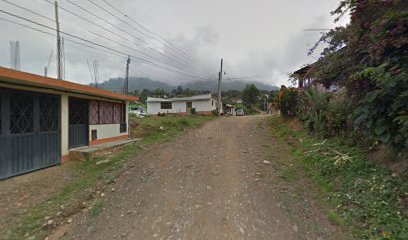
214, 182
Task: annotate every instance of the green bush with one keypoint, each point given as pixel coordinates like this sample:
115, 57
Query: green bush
382, 114
193, 111
325, 114
287, 101
313, 108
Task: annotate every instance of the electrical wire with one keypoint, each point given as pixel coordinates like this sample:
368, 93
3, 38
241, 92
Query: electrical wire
28, 10
107, 30
174, 57
102, 46
152, 34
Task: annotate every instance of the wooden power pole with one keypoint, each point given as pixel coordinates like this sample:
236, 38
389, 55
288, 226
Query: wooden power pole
59, 62
219, 103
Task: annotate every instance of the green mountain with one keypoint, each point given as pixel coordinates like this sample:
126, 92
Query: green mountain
116, 85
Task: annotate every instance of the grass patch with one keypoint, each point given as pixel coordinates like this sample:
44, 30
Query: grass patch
361, 194
289, 175
335, 218
90, 177
96, 209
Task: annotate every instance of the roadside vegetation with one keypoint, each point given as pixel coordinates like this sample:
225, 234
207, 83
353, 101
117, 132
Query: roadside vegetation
364, 197
366, 63
92, 179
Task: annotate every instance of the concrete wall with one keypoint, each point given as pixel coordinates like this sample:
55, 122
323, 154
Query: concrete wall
64, 125
154, 108
205, 106
105, 131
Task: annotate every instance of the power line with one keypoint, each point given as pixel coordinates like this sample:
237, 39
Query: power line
152, 34
187, 64
102, 46
258, 76
111, 32
133, 49
28, 10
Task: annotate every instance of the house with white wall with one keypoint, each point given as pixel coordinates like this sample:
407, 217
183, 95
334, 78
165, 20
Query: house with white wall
203, 105
42, 119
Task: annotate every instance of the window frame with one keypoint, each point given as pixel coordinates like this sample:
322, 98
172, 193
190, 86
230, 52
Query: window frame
166, 105
117, 112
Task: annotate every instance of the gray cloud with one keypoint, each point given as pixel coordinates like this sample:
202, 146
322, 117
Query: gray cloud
261, 37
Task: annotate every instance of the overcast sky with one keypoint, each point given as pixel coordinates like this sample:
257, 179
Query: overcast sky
255, 37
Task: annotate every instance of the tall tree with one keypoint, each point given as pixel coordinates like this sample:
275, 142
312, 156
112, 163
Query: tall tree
250, 94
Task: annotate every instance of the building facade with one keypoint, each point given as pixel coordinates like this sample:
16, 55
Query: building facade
42, 119
202, 105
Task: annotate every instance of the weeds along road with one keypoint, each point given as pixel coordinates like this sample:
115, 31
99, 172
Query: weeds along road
220, 181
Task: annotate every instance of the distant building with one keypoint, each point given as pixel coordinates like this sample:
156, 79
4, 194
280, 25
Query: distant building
202, 105
237, 101
229, 109
306, 79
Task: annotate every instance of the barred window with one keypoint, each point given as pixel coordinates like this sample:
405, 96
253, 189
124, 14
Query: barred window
101, 112
123, 114
166, 105
117, 113
93, 112
49, 111
21, 114
105, 113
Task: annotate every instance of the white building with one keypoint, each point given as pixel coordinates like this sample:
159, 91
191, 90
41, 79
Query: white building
203, 105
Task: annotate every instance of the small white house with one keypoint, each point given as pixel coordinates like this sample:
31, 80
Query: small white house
203, 105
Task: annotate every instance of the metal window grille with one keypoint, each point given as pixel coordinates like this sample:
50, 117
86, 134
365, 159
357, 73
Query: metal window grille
123, 114
49, 111
166, 105
189, 104
117, 115
21, 113
106, 112
78, 111
94, 112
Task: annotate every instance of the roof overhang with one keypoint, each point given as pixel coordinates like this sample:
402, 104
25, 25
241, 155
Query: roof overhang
303, 71
15, 77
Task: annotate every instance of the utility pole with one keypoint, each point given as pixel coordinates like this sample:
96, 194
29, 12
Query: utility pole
219, 103
47, 68
96, 72
126, 86
15, 59
59, 64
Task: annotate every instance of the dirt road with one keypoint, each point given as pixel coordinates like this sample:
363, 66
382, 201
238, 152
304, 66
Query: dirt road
221, 181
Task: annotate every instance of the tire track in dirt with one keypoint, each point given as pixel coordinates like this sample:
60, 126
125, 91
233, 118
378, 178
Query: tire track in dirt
211, 183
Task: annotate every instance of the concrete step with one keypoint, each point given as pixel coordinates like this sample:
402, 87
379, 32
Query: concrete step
87, 152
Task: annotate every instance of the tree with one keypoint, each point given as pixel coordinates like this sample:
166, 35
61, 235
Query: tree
250, 94
370, 58
177, 91
144, 95
159, 92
